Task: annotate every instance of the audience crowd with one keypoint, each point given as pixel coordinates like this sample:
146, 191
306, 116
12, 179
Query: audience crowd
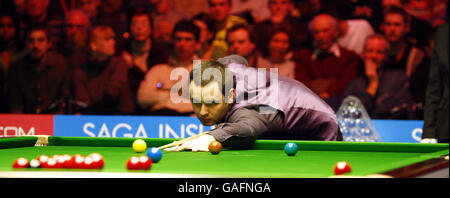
124, 57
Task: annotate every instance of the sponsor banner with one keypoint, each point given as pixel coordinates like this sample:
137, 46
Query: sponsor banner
408, 131
127, 126
12, 125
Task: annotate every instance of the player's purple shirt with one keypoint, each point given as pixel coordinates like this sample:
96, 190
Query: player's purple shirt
304, 115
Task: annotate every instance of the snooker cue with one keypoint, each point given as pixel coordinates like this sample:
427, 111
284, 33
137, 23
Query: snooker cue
181, 141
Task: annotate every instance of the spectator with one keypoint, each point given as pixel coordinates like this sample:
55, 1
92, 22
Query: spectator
91, 8
279, 47
431, 11
222, 21
154, 93
280, 15
38, 14
206, 49
256, 10
353, 33
403, 54
241, 41
101, 83
142, 52
327, 68
74, 48
10, 51
165, 16
419, 29
384, 92
38, 82
113, 14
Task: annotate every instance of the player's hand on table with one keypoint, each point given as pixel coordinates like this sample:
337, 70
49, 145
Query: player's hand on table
198, 144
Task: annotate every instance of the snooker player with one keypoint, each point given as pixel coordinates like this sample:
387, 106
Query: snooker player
243, 109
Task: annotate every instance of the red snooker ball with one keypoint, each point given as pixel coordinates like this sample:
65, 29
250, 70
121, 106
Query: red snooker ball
145, 163
20, 163
98, 160
215, 147
43, 160
341, 168
133, 163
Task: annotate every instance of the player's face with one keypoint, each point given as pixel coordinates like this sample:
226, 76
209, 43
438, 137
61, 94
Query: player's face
324, 34
394, 27
239, 43
208, 103
37, 44
278, 46
185, 45
141, 28
375, 49
219, 9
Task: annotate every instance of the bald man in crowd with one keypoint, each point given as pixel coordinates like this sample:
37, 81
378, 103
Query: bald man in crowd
327, 67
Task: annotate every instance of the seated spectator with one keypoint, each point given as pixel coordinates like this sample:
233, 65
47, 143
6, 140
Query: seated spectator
241, 41
384, 92
101, 83
279, 46
10, 51
38, 82
431, 11
280, 15
403, 54
206, 49
165, 16
74, 47
113, 14
256, 10
419, 29
155, 92
222, 21
353, 33
90, 7
142, 52
39, 14
327, 68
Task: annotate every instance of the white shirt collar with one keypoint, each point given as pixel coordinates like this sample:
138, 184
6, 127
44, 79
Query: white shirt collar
334, 49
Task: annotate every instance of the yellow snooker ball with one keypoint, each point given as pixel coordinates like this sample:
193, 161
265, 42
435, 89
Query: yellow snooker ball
139, 146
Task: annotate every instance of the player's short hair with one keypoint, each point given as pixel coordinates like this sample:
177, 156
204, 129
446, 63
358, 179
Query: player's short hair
187, 26
206, 68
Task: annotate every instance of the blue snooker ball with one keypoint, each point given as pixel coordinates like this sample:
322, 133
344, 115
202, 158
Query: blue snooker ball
155, 154
291, 148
